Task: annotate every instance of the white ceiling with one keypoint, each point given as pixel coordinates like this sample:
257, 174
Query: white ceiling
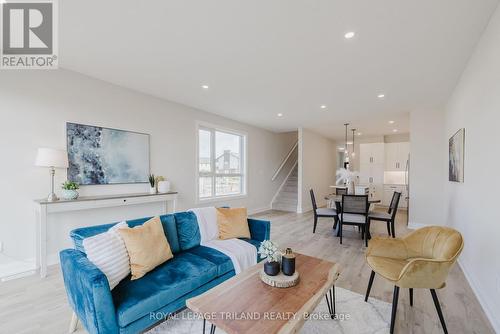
261, 58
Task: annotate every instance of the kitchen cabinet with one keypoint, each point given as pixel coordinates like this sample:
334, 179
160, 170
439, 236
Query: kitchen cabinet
389, 190
372, 153
396, 156
371, 168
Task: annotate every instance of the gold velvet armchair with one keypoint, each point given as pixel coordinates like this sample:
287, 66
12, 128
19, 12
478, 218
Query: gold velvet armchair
422, 259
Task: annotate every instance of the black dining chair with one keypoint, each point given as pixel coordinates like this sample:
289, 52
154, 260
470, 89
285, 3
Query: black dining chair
389, 217
322, 212
354, 211
341, 191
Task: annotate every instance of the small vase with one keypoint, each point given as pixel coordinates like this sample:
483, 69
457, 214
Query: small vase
152, 190
351, 190
288, 263
163, 187
272, 268
69, 194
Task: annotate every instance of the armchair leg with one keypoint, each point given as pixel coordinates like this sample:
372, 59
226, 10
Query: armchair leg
315, 223
394, 307
411, 296
438, 309
73, 324
370, 282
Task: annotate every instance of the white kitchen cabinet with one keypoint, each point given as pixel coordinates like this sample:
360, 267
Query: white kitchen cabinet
396, 156
389, 190
371, 168
372, 153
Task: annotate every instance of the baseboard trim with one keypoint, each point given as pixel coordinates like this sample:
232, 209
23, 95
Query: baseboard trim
482, 302
259, 210
415, 226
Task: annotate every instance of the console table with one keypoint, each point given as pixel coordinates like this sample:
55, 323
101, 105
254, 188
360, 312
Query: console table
44, 208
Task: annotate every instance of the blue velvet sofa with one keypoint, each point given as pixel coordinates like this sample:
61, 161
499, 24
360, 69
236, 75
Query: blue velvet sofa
129, 307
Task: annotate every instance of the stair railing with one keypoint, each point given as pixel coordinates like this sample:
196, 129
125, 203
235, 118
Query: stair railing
283, 163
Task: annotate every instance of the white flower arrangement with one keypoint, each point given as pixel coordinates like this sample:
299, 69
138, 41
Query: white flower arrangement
346, 176
270, 251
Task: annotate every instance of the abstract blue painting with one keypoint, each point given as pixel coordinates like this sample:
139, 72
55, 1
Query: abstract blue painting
100, 155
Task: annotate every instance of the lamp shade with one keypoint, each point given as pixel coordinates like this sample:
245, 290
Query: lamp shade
49, 157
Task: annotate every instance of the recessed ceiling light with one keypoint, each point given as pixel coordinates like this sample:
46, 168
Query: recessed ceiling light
323, 106
381, 96
349, 35
395, 130
359, 133
391, 122
280, 115
204, 86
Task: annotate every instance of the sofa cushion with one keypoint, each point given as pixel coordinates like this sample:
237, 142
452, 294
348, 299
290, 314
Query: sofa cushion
167, 221
187, 230
222, 261
166, 283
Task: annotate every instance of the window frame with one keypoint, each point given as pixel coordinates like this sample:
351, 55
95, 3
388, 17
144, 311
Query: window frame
212, 128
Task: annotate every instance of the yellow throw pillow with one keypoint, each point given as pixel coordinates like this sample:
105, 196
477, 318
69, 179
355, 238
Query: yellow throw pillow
147, 246
232, 223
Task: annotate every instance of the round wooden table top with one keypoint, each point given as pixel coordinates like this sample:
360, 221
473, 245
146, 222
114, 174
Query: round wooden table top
338, 198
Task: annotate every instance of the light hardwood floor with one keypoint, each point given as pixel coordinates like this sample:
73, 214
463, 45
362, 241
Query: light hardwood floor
37, 306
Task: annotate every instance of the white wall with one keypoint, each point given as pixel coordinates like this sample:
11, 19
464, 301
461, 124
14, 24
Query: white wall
472, 206
317, 165
427, 167
34, 106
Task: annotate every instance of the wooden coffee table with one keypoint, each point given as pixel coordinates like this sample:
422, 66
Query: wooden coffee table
245, 304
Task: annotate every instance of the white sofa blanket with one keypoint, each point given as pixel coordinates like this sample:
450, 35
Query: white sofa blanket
241, 253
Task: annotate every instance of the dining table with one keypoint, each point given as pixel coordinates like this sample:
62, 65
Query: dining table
338, 199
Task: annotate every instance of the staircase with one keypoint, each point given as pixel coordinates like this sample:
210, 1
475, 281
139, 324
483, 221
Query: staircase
286, 199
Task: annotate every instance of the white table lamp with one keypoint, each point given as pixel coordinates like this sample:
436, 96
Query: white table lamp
52, 158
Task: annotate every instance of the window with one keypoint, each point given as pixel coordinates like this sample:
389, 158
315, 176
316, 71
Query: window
221, 163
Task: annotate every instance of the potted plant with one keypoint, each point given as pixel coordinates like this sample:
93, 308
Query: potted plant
269, 250
69, 190
152, 184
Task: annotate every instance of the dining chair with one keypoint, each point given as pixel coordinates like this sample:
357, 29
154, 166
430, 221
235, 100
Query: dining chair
340, 191
322, 212
354, 211
420, 260
389, 217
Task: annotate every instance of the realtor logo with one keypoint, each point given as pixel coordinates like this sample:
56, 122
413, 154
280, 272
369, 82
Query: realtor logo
28, 33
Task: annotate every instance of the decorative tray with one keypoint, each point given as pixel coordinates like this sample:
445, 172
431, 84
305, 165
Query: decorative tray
281, 280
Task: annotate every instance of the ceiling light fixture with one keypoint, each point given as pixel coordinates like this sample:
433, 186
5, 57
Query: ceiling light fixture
349, 35
353, 154
395, 130
359, 133
381, 96
391, 122
346, 155
323, 106
204, 86
280, 115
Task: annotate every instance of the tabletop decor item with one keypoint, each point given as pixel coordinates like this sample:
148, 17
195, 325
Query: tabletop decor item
346, 177
162, 184
288, 262
269, 250
51, 158
69, 190
152, 184
281, 280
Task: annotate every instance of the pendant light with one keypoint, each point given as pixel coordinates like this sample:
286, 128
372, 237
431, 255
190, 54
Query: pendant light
353, 154
346, 151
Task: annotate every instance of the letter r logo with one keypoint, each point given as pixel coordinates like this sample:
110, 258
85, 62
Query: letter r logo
27, 28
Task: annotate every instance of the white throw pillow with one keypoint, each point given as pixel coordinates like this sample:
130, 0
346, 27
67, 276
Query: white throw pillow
108, 252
